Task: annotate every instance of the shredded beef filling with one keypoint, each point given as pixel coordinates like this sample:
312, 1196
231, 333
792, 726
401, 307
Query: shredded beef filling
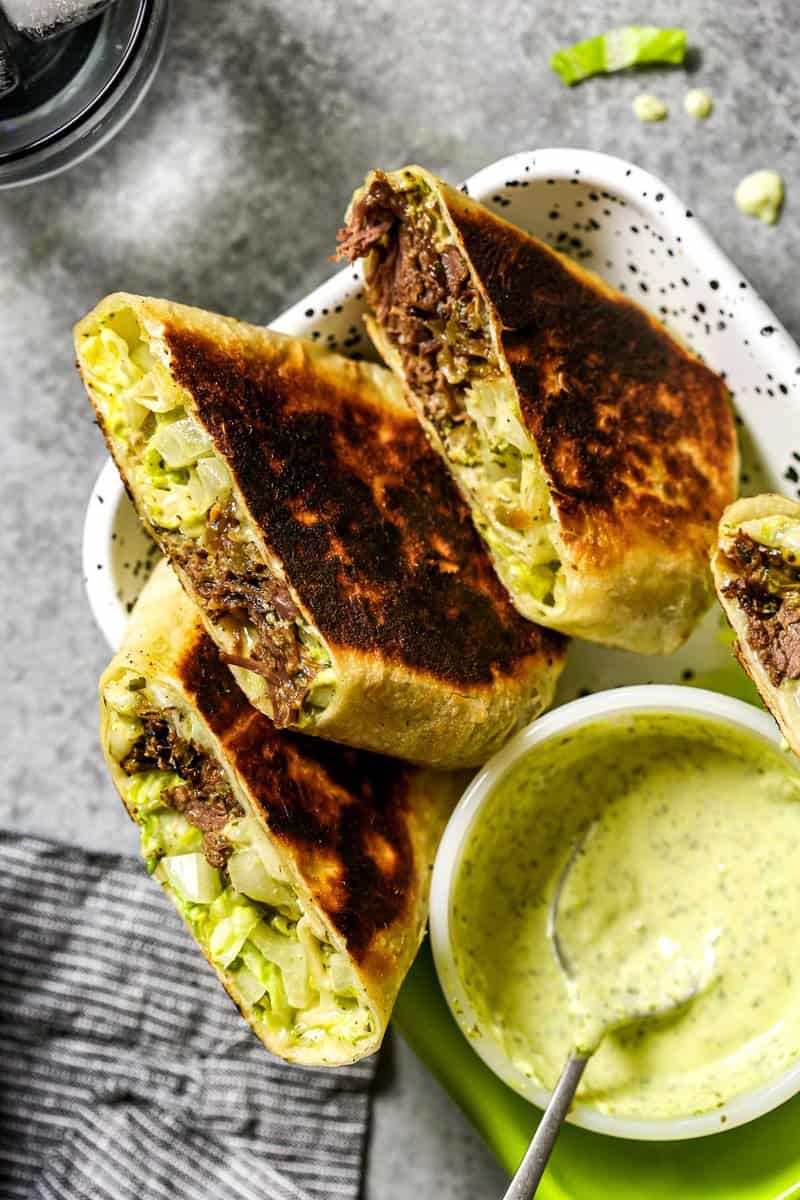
206, 799
768, 592
424, 297
234, 584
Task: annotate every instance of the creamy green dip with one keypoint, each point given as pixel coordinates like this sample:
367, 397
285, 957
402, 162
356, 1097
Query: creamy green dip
692, 847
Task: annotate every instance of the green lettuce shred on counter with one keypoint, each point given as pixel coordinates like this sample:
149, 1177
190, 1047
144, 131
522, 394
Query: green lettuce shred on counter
633, 45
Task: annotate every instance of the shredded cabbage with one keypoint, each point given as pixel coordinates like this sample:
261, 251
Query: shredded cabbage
162, 830
247, 915
320, 693
275, 1007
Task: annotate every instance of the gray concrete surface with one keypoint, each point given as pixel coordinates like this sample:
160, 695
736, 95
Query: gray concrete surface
225, 190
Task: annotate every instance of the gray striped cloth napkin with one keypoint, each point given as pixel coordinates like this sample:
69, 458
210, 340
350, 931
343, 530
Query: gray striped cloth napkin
126, 1073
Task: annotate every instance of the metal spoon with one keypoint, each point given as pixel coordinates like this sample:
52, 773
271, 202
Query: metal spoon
530, 1171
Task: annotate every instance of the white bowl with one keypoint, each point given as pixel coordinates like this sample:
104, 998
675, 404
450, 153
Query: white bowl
655, 698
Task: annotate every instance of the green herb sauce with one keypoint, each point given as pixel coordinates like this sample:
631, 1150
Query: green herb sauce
693, 836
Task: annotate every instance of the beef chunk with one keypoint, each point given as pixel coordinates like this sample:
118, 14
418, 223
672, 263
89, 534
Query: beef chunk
767, 589
423, 296
206, 799
234, 583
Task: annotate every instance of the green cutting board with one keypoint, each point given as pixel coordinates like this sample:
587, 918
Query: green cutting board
758, 1161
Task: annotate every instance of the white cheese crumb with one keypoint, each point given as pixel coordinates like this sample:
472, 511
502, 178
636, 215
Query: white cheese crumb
761, 195
649, 108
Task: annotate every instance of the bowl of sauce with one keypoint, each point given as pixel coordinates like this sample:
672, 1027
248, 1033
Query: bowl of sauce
684, 812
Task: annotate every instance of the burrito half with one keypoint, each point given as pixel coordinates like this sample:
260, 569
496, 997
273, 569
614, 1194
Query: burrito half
756, 569
332, 558
595, 452
301, 868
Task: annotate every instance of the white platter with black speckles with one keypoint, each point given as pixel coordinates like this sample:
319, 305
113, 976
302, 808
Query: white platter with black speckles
627, 226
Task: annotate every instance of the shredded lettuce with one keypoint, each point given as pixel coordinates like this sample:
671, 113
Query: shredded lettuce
163, 831
287, 953
633, 45
192, 876
250, 877
175, 472
320, 694
232, 920
180, 443
145, 789
778, 532
246, 914
498, 465
249, 985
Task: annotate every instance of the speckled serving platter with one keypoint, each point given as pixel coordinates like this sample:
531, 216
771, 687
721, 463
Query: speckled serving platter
629, 227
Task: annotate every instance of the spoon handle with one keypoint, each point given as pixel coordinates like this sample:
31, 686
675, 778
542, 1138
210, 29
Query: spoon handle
530, 1171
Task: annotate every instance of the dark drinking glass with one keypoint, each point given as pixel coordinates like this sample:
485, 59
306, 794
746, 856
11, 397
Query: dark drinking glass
71, 73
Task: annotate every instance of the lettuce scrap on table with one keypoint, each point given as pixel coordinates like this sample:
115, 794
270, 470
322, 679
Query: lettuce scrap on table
630, 46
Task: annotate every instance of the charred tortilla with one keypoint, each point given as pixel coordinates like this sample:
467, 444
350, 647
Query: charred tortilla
301, 867
756, 567
333, 560
595, 452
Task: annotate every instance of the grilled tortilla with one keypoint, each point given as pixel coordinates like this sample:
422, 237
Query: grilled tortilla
301, 868
595, 452
333, 560
756, 567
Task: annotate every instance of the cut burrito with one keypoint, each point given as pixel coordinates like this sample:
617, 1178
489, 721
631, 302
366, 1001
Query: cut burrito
333, 559
595, 452
756, 569
301, 868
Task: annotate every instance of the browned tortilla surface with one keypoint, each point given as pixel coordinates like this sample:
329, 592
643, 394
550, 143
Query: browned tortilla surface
369, 526
342, 813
